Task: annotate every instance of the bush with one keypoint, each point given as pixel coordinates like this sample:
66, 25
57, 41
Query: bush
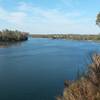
88, 87
9, 35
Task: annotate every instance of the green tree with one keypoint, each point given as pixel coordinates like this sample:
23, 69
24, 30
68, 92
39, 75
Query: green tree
98, 19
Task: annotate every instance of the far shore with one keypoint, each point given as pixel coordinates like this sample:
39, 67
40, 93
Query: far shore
68, 36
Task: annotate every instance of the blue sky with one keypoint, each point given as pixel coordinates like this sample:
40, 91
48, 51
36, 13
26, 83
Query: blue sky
50, 16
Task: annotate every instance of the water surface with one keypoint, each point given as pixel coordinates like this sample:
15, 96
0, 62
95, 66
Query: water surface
36, 69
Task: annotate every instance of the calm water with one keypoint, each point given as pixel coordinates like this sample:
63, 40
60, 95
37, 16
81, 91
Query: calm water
36, 69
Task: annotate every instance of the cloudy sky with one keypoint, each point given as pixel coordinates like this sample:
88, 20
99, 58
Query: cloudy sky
50, 16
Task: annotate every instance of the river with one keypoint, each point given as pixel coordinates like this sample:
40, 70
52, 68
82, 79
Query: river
36, 69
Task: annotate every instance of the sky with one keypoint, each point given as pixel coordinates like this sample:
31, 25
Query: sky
50, 16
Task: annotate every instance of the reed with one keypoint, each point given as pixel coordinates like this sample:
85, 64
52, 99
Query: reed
86, 88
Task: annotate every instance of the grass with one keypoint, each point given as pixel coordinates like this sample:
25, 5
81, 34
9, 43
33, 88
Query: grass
88, 87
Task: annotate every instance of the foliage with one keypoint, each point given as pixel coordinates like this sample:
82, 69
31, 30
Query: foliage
98, 19
88, 87
9, 35
67, 36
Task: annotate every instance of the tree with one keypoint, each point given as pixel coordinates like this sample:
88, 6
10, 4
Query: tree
9, 35
98, 19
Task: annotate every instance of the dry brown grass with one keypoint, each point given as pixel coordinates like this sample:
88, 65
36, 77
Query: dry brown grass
88, 87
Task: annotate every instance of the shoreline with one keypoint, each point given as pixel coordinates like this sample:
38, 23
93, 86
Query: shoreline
68, 37
87, 87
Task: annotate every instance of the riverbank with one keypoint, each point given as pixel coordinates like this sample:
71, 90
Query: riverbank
68, 36
87, 88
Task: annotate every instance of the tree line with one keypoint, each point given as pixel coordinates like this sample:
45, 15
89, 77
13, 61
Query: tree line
10, 35
67, 36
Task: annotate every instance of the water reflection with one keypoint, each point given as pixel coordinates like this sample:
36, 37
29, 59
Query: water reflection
9, 44
36, 69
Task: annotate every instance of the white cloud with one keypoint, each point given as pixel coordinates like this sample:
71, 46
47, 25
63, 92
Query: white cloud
22, 6
3, 13
17, 17
38, 20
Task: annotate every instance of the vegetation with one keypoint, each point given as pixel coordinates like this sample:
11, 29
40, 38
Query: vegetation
87, 88
67, 36
9, 35
98, 19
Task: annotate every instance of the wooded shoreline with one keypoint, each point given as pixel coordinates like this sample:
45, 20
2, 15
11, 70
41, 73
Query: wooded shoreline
13, 36
67, 36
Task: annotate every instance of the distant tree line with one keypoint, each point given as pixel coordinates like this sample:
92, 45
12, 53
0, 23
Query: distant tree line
9, 35
67, 36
